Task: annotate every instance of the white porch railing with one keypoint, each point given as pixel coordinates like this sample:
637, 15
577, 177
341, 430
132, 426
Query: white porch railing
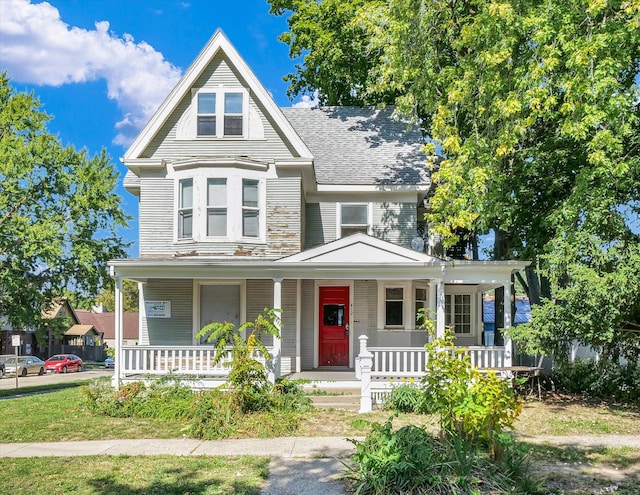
379, 369
163, 360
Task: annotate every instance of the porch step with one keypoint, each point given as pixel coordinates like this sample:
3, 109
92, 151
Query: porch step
346, 399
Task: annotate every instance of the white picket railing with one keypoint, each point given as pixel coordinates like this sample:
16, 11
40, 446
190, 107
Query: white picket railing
163, 360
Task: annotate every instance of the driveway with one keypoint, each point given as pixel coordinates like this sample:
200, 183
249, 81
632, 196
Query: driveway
8, 382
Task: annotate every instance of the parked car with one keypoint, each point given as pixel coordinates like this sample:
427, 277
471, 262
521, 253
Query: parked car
26, 365
1, 369
109, 363
62, 363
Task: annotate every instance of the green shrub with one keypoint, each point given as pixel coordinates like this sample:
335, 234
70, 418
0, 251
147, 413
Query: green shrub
599, 380
407, 398
410, 460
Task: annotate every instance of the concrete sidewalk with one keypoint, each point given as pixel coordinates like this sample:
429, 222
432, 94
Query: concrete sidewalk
299, 465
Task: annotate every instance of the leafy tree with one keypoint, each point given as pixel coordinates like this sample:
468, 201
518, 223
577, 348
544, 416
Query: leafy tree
59, 214
130, 299
532, 113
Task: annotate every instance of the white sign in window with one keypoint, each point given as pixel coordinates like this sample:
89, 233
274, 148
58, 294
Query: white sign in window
158, 309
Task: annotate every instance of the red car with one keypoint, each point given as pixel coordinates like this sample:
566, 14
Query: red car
61, 363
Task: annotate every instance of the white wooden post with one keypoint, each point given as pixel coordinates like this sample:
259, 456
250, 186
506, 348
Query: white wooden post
433, 305
440, 311
365, 363
119, 358
508, 344
276, 354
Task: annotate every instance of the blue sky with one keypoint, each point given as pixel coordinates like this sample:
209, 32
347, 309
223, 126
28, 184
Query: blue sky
102, 67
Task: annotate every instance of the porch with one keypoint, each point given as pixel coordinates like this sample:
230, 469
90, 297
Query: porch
377, 369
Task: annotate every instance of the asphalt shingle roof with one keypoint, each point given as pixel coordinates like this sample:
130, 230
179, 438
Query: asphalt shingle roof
360, 145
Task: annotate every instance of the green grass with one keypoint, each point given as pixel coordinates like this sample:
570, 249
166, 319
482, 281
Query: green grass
134, 475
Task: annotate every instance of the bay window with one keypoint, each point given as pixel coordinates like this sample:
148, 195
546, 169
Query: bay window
250, 209
185, 209
217, 207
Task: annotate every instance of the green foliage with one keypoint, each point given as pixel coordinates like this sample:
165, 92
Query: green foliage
410, 460
407, 398
601, 379
532, 112
247, 372
59, 213
129, 297
275, 410
471, 404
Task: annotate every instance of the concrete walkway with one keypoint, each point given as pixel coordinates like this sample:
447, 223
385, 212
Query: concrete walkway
299, 465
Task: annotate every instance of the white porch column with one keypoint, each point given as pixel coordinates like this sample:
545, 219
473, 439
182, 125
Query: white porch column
277, 341
433, 305
508, 344
118, 332
298, 325
440, 314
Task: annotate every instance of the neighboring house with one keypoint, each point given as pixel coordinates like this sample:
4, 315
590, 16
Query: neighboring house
104, 322
244, 205
522, 312
83, 335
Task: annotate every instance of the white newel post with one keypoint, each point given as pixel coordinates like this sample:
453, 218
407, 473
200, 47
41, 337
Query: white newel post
508, 344
119, 358
365, 363
276, 355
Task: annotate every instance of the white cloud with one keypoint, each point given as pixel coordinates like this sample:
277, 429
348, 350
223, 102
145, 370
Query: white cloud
307, 101
39, 48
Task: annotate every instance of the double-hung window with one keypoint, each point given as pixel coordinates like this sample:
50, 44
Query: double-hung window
458, 312
354, 218
250, 208
217, 207
185, 209
233, 114
206, 114
394, 307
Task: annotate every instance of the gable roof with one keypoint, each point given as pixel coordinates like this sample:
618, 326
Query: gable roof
56, 306
80, 330
105, 323
218, 43
361, 145
360, 248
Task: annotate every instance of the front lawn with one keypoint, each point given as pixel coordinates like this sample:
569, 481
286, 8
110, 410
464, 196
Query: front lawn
149, 475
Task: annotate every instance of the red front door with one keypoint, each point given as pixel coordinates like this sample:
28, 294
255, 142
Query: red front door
334, 326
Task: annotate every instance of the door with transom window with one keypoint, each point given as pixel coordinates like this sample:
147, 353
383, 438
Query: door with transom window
334, 326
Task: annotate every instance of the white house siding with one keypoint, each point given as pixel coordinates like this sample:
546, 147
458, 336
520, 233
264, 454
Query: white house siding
156, 216
364, 310
165, 144
289, 317
395, 222
177, 330
283, 216
320, 223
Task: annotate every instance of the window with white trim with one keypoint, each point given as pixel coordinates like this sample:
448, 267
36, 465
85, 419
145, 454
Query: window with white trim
217, 207
394, 307
458, 312
185, 209
220, 209
250, 208
206, 114
221, 113
421, 307
354, 218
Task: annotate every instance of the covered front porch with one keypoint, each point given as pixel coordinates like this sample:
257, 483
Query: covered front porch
343, 304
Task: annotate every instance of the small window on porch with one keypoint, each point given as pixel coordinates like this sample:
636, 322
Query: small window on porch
421, 305
458, 312
394, 307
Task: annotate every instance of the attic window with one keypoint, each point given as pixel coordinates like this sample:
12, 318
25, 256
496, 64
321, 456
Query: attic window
206, 114
221, 113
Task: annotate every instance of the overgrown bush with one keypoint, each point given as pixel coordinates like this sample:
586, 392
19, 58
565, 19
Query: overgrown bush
407, 398
471, 404
410, 460
275, 409
599, 380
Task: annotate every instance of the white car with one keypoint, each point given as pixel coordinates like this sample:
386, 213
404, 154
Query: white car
26, 364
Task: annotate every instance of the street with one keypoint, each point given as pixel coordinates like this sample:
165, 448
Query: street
8, 382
